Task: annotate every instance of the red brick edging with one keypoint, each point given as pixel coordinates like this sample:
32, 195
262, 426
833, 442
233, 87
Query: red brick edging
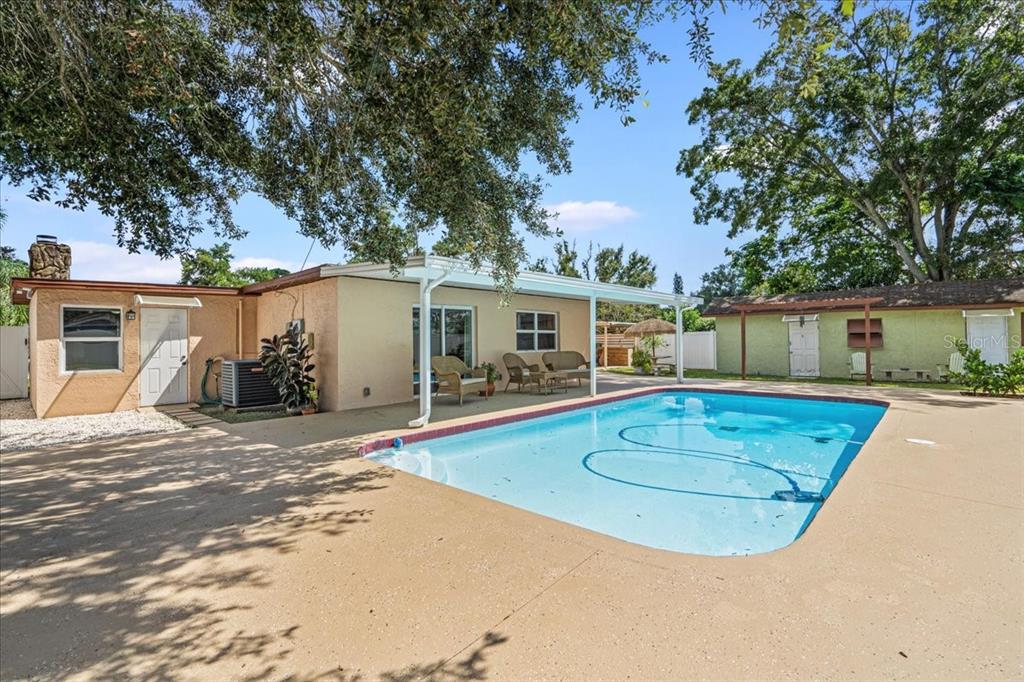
442, 431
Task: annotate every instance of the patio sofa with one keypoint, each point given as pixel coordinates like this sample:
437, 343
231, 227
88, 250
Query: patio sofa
569, 361
455, 378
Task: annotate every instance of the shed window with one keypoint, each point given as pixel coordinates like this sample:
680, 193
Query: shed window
536, 330
857, 333
90, 339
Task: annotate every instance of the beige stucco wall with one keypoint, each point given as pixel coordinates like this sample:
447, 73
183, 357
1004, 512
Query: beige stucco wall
213, 330
317, 304
375, 336
917, 339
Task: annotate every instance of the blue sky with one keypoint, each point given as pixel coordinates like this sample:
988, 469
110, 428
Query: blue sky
623, 187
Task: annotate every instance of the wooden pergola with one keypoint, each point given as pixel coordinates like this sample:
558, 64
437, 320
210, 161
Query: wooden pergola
809, 307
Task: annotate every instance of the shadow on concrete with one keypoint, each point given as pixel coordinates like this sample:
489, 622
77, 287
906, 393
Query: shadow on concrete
108, 548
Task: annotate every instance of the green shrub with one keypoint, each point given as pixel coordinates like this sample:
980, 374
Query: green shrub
643, 360
980, 376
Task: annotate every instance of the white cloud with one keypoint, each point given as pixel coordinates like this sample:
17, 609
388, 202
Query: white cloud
252, 262
95, 260
581, 216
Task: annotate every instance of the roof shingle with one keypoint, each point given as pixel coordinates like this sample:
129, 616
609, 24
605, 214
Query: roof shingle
953, 293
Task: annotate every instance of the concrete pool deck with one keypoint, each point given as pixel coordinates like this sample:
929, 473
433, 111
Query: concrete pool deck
268, 550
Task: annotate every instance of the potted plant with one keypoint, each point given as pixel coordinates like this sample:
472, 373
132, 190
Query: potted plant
492, 374
285, 359
643, 363
312, 396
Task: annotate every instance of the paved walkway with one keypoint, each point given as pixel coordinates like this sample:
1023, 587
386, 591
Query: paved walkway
268, 550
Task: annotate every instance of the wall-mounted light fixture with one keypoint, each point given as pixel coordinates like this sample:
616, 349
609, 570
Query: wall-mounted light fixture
130, 315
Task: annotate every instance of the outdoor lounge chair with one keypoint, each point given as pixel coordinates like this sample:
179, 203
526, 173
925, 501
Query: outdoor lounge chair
521, 373
858, 365
954, 366
455, 378
568, 361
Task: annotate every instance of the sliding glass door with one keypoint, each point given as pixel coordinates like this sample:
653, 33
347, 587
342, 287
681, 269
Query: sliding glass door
451, 333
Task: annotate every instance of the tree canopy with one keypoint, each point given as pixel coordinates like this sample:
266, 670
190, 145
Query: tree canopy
878, 133
11, 315
212, 267
365, 122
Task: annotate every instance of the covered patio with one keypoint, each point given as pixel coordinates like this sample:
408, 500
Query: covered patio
430, 272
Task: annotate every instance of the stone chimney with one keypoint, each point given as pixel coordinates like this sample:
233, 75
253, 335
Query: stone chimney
49, 260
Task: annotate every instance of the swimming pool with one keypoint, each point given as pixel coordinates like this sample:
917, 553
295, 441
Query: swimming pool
698, 472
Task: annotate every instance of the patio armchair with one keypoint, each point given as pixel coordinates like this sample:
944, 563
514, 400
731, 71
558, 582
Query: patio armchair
954, 366
571, 362
455, 378
521, 373
858, 365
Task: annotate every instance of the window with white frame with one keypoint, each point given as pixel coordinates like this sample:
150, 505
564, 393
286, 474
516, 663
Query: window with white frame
536, 330
90, 338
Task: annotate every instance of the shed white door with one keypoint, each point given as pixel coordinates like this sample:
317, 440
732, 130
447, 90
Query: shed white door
988, 334
14, 362
164, 348
803, 349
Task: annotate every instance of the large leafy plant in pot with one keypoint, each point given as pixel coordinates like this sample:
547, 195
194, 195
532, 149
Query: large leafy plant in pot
286, 360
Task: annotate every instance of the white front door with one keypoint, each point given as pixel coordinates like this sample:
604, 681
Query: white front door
988, 334
803, 349
163, 343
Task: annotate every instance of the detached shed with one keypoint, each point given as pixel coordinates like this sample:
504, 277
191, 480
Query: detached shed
903, 332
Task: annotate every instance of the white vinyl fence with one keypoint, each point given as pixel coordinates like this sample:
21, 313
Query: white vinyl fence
698, 350
13, 362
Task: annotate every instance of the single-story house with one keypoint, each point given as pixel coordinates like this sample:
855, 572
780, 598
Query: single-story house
905, 332
105, 346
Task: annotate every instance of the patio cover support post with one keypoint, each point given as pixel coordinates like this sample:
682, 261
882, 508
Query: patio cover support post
593, 345
743, 344
605, 363
867, 344
679, 344
426, 286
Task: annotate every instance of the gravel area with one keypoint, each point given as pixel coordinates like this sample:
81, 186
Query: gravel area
20, 430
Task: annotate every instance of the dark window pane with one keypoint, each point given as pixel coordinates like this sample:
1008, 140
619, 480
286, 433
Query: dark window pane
79, 355
458, 334
524, 341
88, 322
546, 321
435, 332
524, 321
416, 338
545, 341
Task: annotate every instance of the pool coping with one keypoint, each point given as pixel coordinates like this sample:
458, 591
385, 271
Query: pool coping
517, 415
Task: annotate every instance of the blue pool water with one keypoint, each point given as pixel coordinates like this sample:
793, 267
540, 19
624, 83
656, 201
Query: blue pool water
704, 473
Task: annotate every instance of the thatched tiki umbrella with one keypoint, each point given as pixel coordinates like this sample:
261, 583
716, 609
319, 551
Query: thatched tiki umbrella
651, 327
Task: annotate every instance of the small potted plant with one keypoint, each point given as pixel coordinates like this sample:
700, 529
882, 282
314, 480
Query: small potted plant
312, 396
492, 374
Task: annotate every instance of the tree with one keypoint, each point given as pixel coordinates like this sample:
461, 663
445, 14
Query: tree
11, 315
359, 120
610, 264
212, 267
724, 280
909, 115
677, 284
